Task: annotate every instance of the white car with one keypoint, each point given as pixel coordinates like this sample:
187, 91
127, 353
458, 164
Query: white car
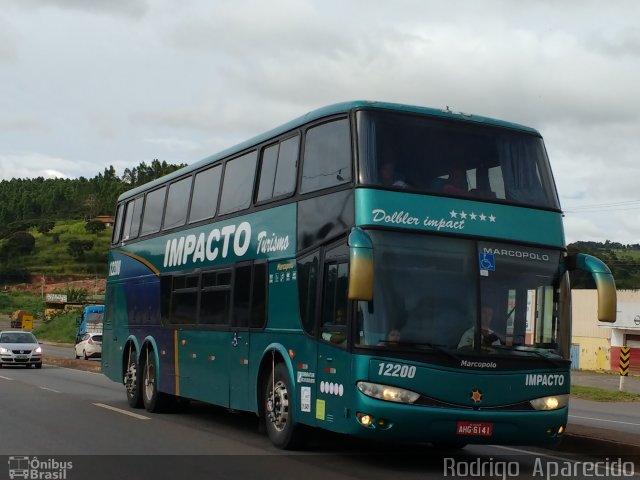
89, 345
20, 348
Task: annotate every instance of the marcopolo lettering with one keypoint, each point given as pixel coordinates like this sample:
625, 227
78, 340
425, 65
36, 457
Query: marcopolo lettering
198, 248
540, 257
544, 380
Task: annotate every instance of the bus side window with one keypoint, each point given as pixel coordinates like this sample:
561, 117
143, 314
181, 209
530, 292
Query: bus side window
237, 186
307, 288
154, 207
117, 224
327, 156
241, 296
204, 202
132, 219
334, 305
215, 298
278, 169
175, 213
258, 317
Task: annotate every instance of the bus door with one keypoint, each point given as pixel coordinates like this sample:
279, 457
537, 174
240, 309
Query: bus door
334, 366
248, 311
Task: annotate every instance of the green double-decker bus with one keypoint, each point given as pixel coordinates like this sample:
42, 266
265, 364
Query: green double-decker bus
379, 270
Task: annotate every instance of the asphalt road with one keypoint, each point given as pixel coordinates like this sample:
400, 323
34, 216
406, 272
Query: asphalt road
622, 416
60, 415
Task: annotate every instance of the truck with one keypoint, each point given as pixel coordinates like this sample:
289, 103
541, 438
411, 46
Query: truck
90, 320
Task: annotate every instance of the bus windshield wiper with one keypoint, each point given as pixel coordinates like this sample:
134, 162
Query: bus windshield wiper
555, 362
435, 347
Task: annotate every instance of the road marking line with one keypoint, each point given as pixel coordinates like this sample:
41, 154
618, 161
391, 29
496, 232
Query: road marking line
119, 410
49, 389
6, 378
603, 420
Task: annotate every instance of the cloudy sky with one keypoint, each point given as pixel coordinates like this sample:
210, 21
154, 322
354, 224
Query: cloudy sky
85, 84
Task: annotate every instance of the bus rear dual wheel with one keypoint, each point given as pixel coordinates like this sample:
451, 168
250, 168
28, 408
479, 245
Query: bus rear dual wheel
153, 400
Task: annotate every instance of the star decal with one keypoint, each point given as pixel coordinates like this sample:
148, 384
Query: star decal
483, 217
476, 396
463, 215
492, 218
473, 215
453, 214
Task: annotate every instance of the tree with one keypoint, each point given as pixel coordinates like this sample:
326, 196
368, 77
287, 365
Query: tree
94, 226
76, 248
46, 226
20, 243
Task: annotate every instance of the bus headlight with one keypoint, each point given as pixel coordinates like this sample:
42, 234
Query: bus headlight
388, 393
553, 402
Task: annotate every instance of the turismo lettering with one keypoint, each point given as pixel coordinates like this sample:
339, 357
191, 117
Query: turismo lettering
198, 248
540, 380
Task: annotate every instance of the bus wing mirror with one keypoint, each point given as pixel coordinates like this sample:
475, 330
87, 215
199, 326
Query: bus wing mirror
605, 283
360, 266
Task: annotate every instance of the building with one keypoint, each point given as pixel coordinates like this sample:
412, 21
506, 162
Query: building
596, 345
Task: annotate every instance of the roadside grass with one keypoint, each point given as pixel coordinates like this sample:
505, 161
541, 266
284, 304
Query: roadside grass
602, 394
61, 328
12, 301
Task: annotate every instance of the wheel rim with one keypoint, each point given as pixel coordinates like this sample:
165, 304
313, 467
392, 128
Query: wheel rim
149, 380
131, 379
278, 406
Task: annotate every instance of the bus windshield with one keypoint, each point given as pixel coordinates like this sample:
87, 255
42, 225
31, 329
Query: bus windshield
435, 293
431, 155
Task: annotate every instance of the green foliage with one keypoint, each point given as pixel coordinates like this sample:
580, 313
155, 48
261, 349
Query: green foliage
25, 203
602, 394
20, 243
76, 248
12, 301
76, 295
46, 226
94, 226
61, 328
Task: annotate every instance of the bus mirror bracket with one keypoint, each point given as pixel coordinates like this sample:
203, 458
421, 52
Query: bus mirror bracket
360, 266
605, 283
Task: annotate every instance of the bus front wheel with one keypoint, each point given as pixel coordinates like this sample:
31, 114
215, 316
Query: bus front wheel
278, 409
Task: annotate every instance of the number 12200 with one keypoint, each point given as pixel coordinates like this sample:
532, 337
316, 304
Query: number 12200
397, 370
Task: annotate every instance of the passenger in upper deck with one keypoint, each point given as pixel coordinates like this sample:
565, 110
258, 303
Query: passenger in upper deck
457, 182
388, 176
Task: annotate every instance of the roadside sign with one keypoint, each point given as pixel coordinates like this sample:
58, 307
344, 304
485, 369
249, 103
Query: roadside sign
625, 360
27, 322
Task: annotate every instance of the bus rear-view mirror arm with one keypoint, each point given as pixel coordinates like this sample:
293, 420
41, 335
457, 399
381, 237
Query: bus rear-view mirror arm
605, 283
360, 266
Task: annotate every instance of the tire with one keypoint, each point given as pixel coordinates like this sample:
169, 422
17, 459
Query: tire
278, 408
154, 401
132, 379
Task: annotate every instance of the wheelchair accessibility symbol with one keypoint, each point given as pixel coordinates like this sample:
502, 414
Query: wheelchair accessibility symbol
487, 261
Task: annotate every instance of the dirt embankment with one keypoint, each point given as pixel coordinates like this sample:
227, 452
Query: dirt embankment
43, 284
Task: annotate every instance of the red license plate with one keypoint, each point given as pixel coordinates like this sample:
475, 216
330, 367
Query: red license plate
478, 429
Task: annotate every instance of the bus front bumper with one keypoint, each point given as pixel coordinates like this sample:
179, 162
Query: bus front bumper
381, 420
